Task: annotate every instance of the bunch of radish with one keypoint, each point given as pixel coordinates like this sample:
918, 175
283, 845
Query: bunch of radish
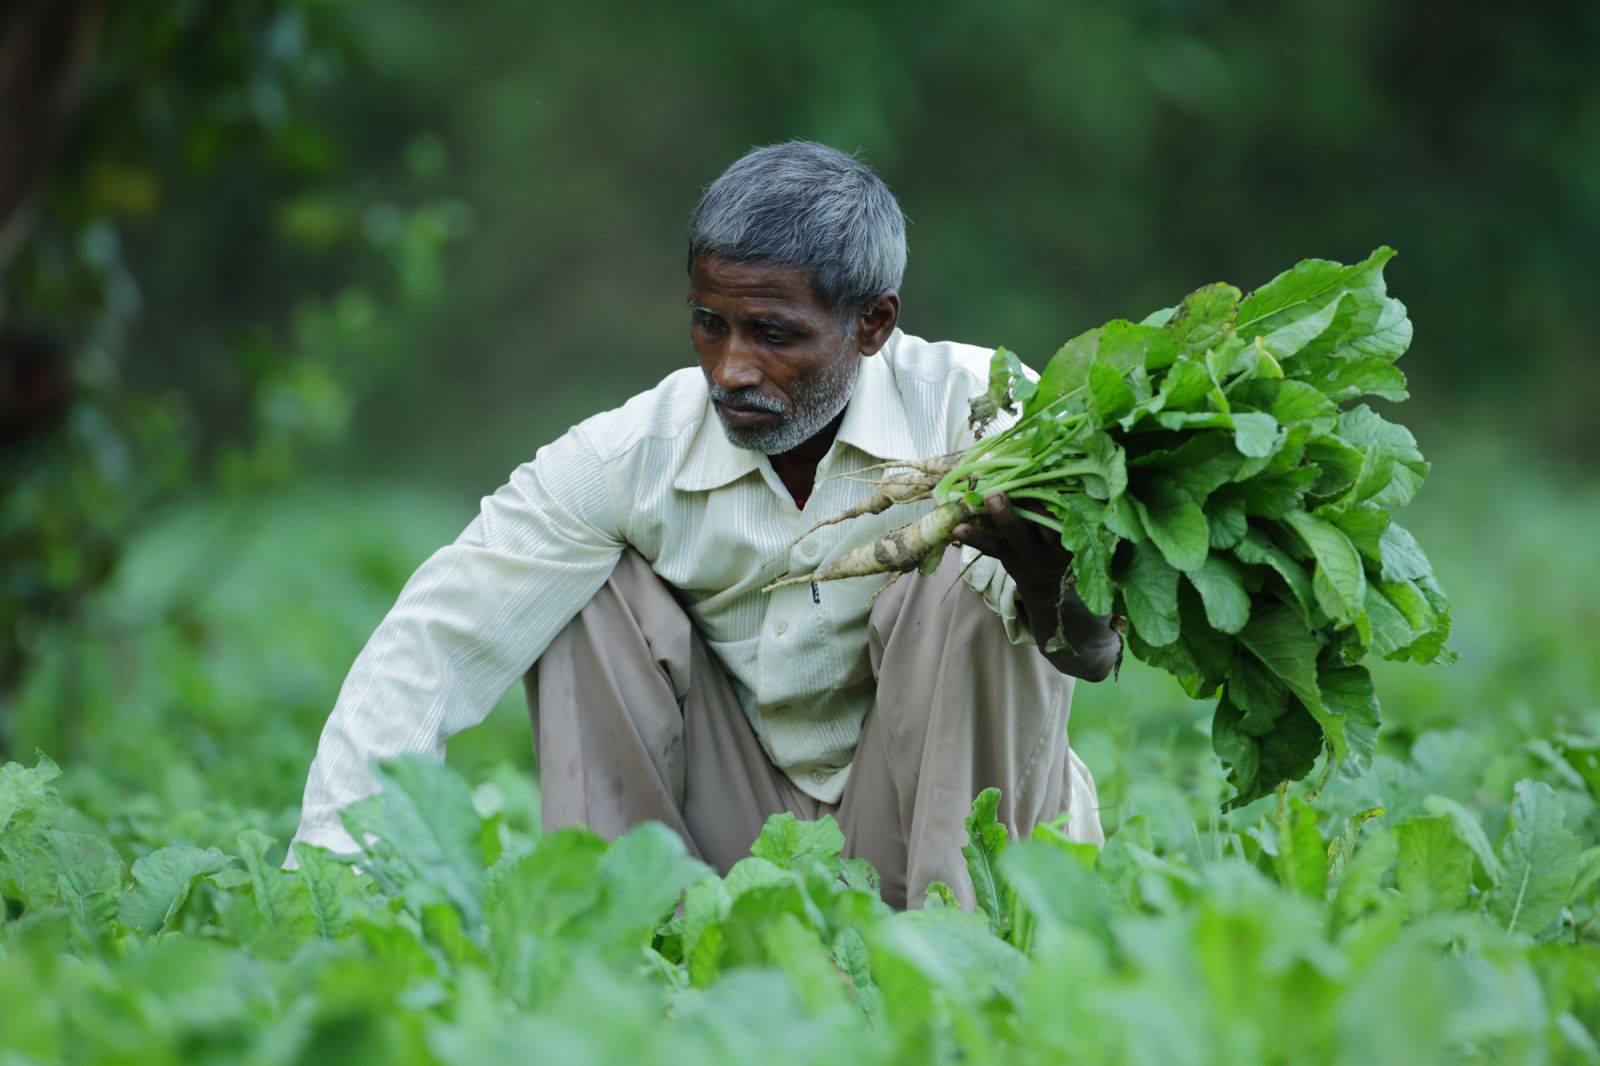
1220, 489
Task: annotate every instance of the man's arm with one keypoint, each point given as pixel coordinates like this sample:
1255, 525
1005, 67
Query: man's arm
467, 626
1089, 647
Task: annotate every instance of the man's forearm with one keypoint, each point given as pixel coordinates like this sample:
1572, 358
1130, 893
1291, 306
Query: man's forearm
1090, 647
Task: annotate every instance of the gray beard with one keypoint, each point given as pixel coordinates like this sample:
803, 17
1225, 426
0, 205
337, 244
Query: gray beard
815, 404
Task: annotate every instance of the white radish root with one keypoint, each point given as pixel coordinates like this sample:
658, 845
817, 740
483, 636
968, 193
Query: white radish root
909, 487
897, 551
936, 467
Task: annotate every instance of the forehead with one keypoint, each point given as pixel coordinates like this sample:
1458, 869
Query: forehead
718, 283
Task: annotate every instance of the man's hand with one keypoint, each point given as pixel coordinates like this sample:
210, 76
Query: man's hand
1074, 640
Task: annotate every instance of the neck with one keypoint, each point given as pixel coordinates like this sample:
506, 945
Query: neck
797, 467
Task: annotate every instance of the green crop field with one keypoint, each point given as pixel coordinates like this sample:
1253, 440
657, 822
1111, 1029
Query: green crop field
1440, 908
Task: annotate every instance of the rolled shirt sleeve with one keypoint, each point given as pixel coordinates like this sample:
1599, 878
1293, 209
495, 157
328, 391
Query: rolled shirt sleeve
468, 624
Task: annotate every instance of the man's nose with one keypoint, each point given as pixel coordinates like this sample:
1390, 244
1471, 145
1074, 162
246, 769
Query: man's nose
737, 366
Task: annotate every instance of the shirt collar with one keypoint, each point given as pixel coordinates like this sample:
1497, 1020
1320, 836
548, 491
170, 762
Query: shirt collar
875, 422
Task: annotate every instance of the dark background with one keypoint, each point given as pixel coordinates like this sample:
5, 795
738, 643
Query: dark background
292, 283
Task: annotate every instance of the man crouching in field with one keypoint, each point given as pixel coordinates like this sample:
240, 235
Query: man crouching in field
621, 572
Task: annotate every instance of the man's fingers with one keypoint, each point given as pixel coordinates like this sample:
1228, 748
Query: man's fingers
1017, 533
985, 542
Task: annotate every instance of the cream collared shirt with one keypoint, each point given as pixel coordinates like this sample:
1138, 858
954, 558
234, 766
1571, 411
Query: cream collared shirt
658, 473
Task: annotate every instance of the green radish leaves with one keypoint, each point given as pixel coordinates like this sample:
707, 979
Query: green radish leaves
1216, 485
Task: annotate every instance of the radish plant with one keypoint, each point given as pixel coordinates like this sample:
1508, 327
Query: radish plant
1223, 492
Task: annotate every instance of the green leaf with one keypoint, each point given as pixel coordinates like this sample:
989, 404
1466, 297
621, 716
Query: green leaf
1345, 379
1258, 694
1367, 430
89, 876
1056, 378
1009, 383
1388, 627
796, 950
1295, 335
1226, 522
1434, 870
1134, 350
1258, 550
1203, 463
1175, 523
162, 882
1059, 890
1403, 558
1307, 286
1277, 637
1349, 695
1302, 859
1539, 860
1340, 579
1204, 318
987, 839
26, 798
1258, 764
1342, 847
1295, 401
1363, 523
1272, 495
784, 840
281, 898
1066, 370
1470, 830
1122, 519
1112, 396
1388, 338
544, 892
1431, 624
1339, 463
1375, 476
428, 831
1187, 384
1081, 534
1361, 880
1239, 751
642, 875
1149, 590
1222, 591
1103, 467
333, 890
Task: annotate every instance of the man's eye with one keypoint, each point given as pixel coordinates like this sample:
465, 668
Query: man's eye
774, 338
709, 323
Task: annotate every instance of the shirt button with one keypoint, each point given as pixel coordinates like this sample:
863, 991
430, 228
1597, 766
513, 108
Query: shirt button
809, 549
781, 628
819, 777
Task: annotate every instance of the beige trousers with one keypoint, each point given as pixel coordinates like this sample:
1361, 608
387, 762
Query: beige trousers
634, 720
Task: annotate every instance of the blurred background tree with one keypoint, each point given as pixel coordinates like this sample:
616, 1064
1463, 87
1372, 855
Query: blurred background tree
198, 276
336, 246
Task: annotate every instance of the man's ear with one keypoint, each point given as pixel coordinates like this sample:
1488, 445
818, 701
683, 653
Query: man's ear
877, 321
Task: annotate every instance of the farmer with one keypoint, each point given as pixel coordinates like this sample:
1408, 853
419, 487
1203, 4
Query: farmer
620, 574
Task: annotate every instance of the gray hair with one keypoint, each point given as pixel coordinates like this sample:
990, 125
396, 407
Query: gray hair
803, 204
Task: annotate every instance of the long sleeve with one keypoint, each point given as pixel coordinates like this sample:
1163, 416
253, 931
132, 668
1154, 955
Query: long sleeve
468, 624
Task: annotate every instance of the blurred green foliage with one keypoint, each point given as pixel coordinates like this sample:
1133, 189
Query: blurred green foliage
211, 272
1061, 163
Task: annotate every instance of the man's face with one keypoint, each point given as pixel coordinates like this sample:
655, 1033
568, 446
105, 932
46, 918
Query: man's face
778, 364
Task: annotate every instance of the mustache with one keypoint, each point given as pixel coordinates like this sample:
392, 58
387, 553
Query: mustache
748, 398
